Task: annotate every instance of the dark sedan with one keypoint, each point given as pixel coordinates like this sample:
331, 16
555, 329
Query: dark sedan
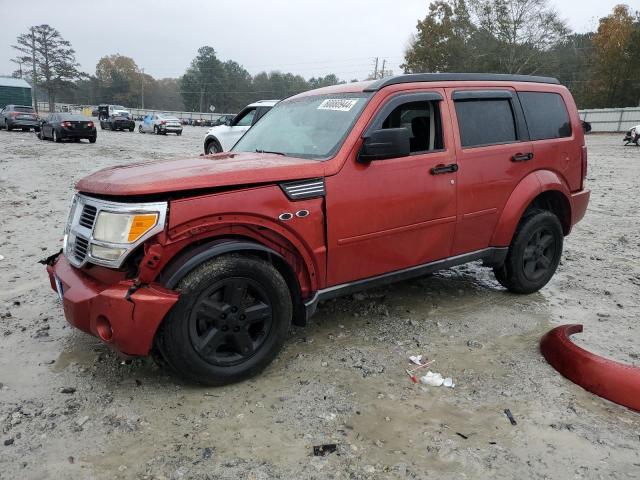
60, 126
18, 116
118, 122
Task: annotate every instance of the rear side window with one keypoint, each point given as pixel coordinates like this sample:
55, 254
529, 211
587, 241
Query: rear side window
546, 115
485, 122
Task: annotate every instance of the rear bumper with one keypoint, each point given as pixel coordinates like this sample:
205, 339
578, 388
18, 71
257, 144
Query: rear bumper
102, 310
579, 203
71, 134
16, 122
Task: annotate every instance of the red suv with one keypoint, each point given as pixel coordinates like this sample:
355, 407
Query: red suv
207, 261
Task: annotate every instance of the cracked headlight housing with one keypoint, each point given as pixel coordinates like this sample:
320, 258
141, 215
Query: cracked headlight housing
105, 233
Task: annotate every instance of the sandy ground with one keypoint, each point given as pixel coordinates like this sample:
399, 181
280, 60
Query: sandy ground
341, 379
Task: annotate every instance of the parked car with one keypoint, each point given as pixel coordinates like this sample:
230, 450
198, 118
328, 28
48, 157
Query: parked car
223, 137
160, 124
208, 260
106, 111
632, 136
118, 122
63, 126
18, 116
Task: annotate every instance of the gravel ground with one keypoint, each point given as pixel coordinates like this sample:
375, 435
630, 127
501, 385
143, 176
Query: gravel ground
339, 380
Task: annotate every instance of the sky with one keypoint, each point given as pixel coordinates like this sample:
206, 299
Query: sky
299, 36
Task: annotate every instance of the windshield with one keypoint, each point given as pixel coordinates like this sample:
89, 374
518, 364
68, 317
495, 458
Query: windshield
118, 107
306, 127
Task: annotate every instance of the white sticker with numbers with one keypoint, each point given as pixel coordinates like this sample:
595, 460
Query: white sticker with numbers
338, 104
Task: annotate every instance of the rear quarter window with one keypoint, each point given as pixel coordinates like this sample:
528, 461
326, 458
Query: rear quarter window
485, 122
546, 115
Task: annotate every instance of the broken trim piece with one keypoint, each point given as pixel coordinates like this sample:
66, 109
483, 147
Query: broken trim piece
609, 379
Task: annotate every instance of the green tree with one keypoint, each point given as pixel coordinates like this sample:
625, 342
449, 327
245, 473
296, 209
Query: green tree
518, 32
203, 82
120, 80
52, 59
441, 41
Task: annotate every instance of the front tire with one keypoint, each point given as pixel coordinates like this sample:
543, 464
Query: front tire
140, 129
212, 147
230, 322
534, 253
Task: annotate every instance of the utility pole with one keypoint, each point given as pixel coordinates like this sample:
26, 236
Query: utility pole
33, 66
142, 89
384, 63
375, 70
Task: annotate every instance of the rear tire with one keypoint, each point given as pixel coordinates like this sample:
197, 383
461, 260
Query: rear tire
231, 320
140, 129
156, 130
534, 253
55, 137
92, 139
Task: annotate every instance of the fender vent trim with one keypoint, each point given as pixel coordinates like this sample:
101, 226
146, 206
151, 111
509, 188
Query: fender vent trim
303, 189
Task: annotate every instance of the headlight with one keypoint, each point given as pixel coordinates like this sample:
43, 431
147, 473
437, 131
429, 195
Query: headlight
123, 227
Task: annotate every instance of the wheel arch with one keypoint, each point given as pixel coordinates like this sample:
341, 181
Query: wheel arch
211, 139
194, 255
542, 189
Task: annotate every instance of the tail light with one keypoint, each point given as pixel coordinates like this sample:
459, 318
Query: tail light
90, 124
163, 122
14, 114
584, 164
66, 124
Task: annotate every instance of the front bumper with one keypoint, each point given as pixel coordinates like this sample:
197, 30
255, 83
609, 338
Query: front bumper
103, 310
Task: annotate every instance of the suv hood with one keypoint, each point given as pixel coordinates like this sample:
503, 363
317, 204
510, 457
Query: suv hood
207, 171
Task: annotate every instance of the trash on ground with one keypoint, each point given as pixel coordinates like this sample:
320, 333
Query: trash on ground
509, 415
435, 379
462, 435
324, 449
417, 359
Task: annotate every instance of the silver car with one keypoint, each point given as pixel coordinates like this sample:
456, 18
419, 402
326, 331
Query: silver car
160, 124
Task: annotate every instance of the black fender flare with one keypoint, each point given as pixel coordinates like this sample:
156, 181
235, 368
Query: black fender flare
185, 262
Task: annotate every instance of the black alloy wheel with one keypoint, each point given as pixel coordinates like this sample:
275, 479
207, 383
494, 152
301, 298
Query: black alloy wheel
230, 321
534, 253
539, 254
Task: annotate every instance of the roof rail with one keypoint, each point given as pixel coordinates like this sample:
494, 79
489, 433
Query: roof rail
457, 77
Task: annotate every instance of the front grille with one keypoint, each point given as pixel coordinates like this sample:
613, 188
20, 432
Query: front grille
80, 249
88, 216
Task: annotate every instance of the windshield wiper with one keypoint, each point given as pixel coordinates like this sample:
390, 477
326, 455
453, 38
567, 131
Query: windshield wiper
267, 151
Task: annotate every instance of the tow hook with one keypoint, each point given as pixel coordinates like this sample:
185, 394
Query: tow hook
51, 259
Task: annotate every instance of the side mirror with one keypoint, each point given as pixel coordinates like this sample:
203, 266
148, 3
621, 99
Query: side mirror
385, 143
228, 121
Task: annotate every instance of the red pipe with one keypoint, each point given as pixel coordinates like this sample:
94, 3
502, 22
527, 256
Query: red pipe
612, 380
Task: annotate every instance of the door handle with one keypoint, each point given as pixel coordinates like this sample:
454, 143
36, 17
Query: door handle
440, 169
522, 157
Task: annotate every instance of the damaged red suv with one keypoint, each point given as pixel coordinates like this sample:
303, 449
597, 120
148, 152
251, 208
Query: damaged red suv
206, 261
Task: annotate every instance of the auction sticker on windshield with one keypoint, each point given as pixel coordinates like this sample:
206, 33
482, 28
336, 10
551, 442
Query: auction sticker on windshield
338, 104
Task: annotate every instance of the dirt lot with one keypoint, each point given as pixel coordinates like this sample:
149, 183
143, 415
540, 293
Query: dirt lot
341, 379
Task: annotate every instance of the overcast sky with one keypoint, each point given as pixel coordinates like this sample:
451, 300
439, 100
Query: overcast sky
304, 37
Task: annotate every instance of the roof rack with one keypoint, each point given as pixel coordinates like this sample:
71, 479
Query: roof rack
457, 77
